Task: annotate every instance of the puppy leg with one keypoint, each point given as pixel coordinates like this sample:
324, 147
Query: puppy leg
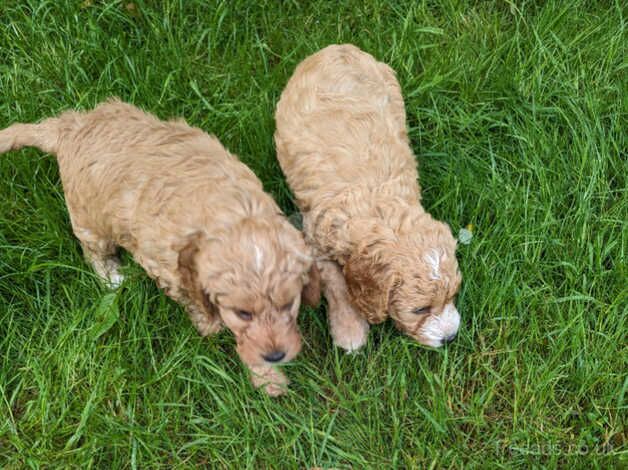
101, 254
349, 330
204, 322
274, 381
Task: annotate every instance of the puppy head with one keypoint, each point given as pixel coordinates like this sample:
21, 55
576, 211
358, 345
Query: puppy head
253, 274
412, 277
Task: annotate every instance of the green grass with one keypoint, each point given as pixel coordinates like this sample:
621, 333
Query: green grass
517, 114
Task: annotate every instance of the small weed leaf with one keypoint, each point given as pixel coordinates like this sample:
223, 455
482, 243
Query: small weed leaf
465, 236
106, 316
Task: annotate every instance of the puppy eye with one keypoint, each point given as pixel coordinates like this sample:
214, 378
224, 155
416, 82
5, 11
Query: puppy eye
288, 306
244, 315
421, 310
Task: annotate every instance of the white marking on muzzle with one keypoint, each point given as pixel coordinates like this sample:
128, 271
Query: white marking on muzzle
440, 327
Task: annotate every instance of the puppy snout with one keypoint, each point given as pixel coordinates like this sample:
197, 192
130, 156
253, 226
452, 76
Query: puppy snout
274, 356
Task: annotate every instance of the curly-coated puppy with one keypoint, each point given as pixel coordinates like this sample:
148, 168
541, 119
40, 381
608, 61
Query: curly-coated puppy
195, 218
342, 143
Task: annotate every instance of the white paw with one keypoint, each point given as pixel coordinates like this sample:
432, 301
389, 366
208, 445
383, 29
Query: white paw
114, 280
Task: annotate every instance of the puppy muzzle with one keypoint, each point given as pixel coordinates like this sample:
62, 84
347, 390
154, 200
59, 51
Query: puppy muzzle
440, 329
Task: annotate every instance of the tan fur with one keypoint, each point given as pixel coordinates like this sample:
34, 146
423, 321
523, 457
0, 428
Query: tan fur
342, 143
192, 215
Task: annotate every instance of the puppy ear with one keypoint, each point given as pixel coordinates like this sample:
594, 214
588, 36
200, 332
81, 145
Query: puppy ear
368, 290
187, 267
311, 293
293, 239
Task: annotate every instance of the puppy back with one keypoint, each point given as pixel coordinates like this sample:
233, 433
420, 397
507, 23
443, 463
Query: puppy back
341, 123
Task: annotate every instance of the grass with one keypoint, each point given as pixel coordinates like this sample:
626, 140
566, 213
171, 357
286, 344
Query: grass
517, 114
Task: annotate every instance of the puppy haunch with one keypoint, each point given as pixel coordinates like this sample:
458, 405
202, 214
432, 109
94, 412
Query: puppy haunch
192, 215
342, 143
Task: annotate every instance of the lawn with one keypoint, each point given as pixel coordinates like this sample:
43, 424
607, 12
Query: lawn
517, 115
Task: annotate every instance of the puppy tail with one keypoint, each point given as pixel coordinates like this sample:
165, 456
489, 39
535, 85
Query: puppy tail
44, 136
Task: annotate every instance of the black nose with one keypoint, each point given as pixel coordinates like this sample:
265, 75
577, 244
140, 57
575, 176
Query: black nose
449, 338
275, 356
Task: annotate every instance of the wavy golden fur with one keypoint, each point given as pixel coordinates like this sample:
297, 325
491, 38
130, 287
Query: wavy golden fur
192, 215
342, 142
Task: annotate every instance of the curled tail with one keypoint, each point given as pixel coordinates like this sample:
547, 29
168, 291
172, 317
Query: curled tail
44, 136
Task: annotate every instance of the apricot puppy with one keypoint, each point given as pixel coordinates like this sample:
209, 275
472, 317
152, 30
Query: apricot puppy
342, 143
192, 215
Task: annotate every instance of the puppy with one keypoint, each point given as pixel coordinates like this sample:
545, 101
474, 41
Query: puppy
342, 143
195, 218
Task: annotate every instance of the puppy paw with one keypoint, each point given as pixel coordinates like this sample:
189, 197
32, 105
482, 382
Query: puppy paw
109, 271
208, 326
114, 280
274, 382
349, 330
352, 340
276, 390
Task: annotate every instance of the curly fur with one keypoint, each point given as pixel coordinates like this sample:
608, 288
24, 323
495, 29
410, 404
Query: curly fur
342, 142
192, 215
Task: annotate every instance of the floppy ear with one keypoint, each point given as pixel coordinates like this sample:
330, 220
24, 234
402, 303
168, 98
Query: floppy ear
293, 238
368, 286
188, 271
311, 293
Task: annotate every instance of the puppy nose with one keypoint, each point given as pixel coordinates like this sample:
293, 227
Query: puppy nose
449, 338
275, 356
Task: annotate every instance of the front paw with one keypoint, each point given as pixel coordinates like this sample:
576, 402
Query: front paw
276, 390
349, 330
274, 382
114, 280
206, 327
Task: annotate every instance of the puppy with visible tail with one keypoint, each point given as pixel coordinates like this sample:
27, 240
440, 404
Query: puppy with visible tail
43, 136
194, 216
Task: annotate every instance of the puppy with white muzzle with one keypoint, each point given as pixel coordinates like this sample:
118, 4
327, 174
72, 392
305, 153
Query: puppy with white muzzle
192, 215
342, 143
